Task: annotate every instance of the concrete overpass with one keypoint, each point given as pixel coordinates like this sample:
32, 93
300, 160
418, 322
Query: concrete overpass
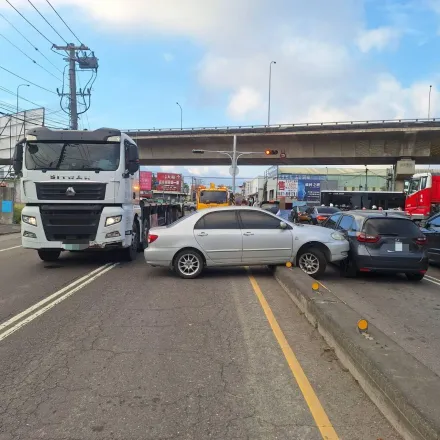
338, 143
381, 142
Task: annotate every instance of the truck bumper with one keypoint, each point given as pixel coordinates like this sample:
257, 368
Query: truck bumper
34, 237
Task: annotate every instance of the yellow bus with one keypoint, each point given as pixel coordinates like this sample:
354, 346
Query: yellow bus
212, 197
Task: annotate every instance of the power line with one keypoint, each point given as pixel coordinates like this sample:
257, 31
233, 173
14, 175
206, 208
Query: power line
27, 56
44, 18
24, 79
24, 18
67, 26
52, 111
33, 46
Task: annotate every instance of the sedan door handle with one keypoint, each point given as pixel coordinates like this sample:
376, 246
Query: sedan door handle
248, 233
202, 234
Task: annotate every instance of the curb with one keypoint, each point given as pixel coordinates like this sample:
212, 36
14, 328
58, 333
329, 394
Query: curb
405, 391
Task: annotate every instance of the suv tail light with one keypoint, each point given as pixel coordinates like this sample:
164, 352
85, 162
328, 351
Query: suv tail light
421, 240
152, 237
321, 218
364, 238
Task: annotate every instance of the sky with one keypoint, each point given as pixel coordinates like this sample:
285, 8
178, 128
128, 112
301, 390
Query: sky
335, 60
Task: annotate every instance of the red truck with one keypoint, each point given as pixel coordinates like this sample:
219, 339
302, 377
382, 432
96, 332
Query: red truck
423, 196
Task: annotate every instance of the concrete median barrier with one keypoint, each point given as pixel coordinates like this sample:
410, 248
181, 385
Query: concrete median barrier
406, 391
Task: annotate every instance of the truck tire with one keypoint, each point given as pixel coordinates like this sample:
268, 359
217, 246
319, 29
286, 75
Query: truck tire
49, 254
130, 253
143, 242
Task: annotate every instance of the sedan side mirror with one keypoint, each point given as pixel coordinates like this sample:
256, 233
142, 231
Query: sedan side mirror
283, 225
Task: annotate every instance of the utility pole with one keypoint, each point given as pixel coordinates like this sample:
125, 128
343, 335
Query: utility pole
85, 62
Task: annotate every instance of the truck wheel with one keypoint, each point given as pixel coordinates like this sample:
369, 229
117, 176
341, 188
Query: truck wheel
49, 254
130, 253
188, 264
312, 262
143, 242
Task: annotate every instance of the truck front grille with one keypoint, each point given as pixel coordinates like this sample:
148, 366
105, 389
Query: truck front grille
70, 223
70, 190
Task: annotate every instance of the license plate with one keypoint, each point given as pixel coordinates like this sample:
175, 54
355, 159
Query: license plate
76, 247
399, 246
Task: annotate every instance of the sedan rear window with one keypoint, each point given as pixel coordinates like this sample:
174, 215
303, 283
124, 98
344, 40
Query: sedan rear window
391, 226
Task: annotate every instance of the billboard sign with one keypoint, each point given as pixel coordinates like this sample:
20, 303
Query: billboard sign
301, 187
169, 182
145, 180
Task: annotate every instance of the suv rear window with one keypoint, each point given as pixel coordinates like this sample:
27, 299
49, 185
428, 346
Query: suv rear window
327, 210
391, 226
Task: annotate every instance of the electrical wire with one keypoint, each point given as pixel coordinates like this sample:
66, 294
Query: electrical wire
24, 18
24, 79
67, 26
27, 56
51, 111
44, 18
33, 46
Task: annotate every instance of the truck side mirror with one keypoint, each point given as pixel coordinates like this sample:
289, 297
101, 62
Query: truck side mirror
131, 159
17, 162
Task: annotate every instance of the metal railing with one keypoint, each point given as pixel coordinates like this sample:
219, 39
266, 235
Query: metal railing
301, 125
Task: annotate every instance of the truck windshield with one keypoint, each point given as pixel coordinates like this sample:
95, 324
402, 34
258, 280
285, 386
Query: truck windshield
413, 186
213, 197
72, 156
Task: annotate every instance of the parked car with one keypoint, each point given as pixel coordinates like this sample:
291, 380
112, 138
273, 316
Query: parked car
241, 236
285, 214
272, 207
189, 206
315, 215
381, 243
431, 230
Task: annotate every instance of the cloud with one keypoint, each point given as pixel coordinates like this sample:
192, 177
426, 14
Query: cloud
379, 39
168, 168
324, 52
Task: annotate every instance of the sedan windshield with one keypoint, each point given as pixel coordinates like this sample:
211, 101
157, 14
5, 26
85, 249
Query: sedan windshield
72, 156
213, 197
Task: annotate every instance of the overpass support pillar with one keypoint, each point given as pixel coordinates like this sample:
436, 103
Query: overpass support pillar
403, 170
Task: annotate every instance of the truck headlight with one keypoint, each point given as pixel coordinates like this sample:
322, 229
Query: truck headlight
29, 220
337, 236
109, 221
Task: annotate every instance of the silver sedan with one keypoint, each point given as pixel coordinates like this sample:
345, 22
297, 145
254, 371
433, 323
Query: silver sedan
241, 236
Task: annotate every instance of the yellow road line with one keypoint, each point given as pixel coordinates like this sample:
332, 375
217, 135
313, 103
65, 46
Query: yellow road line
321, 419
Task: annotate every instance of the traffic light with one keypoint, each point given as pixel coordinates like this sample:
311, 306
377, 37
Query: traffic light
271, 152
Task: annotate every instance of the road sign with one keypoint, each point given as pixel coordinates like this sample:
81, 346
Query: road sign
231, 171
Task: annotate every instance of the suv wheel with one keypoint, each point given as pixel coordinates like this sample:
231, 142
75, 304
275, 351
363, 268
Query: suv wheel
188, 264
415, 276
49, 254
348, 268
312, 262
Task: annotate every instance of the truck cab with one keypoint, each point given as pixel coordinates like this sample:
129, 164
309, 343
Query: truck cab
81, 191
212, 197
423, 195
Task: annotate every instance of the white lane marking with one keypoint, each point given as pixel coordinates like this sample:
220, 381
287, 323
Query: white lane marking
432, 280
9, 249
70, 290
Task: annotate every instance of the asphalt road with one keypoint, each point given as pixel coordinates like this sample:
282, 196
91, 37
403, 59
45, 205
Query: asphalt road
133, 352
408, 312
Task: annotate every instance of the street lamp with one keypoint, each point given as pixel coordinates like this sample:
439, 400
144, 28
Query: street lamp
234, 155
270, 86
16, 115
429, 102
181, 115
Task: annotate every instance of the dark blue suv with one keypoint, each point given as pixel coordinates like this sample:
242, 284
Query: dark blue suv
380, 242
